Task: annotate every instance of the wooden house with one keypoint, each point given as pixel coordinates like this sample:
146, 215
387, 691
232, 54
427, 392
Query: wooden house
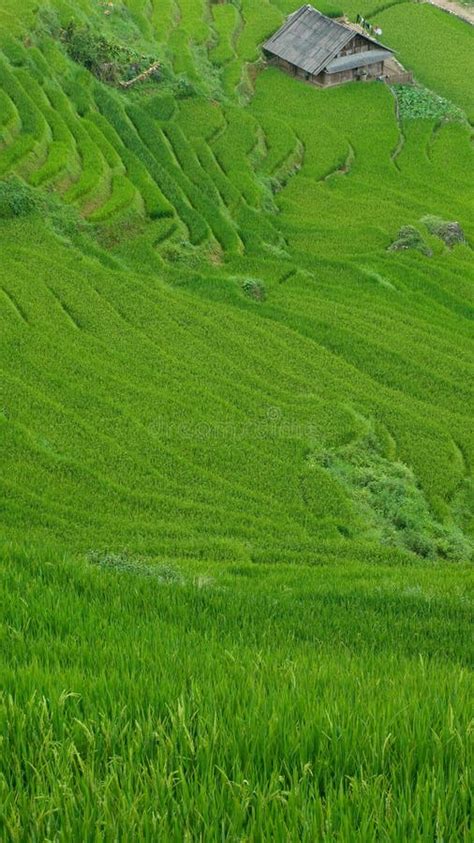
323, 51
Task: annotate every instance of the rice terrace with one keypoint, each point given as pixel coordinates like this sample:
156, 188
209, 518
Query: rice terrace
236, 421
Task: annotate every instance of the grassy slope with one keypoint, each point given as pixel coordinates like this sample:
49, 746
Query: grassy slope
148, 404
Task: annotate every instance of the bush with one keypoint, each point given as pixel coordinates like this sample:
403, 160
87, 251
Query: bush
184, 89
420, 544
107, 60
410, 238
17, 199
64, 219
47, 22
254, 289
86, 48
449, 232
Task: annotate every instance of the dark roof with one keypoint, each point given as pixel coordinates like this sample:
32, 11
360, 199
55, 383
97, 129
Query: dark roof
357, 60
310, 40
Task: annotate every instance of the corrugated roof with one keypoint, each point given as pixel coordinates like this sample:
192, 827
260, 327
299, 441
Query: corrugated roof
310, 40
357, 60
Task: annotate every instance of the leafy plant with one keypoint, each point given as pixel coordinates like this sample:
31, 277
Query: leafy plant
415, 102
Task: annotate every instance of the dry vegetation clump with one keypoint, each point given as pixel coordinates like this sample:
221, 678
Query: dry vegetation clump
450, 233
410, 238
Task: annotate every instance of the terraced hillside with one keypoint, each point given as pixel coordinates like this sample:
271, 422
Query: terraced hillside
235, 329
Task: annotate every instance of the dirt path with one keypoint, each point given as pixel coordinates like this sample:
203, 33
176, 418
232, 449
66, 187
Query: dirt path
466, 13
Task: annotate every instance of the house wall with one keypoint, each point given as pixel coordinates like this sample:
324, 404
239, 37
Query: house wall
281, 63
331, 79
327, 80
372, 71
291, 69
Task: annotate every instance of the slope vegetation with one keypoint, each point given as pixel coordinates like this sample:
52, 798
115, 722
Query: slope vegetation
235, 425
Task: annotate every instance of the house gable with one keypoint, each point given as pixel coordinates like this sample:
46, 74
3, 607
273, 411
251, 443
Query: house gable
309, 41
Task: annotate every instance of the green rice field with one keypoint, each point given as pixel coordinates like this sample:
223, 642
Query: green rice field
236, 450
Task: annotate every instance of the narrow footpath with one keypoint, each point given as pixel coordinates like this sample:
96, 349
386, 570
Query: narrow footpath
466, 13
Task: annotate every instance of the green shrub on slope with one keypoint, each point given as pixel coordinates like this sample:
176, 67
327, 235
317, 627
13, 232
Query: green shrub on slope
16, 198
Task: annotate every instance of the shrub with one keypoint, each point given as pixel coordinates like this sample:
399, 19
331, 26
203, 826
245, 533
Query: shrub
184, 89
17, 199
410, 238
106, 59
449, 232
64, 219
420, 544
86, 48
47, 22
254, 289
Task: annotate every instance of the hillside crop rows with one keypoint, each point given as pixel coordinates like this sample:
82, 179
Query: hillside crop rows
166, 704
236, 438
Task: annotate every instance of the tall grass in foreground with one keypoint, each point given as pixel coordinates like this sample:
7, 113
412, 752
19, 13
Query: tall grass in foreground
234, 703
